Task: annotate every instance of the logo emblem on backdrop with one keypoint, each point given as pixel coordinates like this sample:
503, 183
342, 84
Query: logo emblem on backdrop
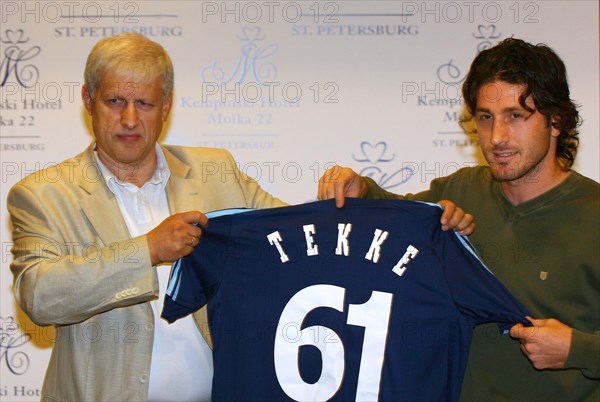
12, 338
379, 165
449, 73
486, 33
15, 62
253, 61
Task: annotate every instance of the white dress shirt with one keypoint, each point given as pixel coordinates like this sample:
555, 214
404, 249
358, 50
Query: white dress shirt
182, 367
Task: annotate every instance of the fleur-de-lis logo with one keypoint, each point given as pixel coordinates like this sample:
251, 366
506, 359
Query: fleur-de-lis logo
252, 61
14, 37
251, 35
376, 156
14, 59
11, 338
486, 34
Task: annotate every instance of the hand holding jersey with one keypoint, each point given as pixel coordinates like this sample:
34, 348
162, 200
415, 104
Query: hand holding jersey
546, 344
176, 236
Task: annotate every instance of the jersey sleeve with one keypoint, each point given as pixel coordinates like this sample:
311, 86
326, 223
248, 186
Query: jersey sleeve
195, 279
477, 293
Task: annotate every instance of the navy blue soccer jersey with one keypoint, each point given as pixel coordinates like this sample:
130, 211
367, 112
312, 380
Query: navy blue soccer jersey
369, 302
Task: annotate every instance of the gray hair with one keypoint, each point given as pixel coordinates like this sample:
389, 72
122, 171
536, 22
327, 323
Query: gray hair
134, 56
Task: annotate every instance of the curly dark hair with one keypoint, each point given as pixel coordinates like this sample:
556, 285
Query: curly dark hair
544, 77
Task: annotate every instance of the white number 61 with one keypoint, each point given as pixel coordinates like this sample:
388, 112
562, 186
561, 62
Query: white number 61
374, 316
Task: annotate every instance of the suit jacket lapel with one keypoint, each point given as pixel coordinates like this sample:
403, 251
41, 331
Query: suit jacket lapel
100, 206
183, 194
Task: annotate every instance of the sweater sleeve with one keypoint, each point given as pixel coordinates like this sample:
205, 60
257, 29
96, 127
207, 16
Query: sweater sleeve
374, 192
585, 353
377, 193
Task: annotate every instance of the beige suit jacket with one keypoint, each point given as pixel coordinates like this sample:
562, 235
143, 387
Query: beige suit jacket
76, 267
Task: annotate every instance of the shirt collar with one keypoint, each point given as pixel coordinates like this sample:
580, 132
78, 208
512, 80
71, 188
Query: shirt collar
160, 177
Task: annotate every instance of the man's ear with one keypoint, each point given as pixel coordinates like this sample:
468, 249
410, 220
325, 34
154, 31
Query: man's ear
166, 108
554, 130
87, 99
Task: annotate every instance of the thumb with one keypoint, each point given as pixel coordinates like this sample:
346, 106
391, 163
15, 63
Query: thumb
516, 331
520, 331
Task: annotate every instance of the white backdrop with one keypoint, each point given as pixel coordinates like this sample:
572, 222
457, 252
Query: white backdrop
289, 87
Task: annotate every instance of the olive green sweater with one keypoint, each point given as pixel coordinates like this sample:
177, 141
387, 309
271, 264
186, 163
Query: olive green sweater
547, 253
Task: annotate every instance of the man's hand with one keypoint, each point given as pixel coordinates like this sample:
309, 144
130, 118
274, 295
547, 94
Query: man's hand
546, 344
341, 182
176, 236
454, 218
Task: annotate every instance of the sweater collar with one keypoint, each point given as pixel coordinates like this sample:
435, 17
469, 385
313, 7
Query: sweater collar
538, 202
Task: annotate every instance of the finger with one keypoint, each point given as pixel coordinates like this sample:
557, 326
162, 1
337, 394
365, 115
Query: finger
469, 230
455, 219
525, 351
194, 242
322, 189
339, 194
195, 231
515, 331
331, 186
464, 224
448, 212
194, 217
523, 333
530, 334
530, 348
327, 183
538, 322
326, 191
466, 220
203, 220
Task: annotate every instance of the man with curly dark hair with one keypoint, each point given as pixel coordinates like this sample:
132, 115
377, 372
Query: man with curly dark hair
544, 78
537, 226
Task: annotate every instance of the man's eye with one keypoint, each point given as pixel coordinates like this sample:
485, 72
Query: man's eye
115, 101
516, 115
